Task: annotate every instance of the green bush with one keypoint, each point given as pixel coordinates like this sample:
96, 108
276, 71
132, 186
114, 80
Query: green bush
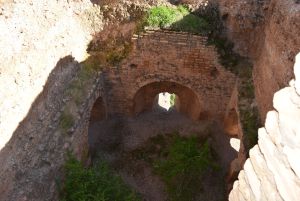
250, 125
177, 19
185, 162
97, 183
172, 100
193, 24
163, 16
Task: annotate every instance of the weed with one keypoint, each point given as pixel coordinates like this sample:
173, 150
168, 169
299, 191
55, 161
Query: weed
250, 125
177, 19
66, 120
163, 16
185, 163
180, 162
172, 100
97, 183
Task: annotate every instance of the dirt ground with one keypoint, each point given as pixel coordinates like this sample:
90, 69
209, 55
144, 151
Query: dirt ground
112, 138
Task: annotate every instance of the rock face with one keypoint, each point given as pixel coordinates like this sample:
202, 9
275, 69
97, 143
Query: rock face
272, 171
35, 36
268, 32
42, 43
273, 68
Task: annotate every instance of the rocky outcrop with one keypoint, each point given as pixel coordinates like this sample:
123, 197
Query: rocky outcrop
35, 36
32, 160
273, 67
272, 172
42, 44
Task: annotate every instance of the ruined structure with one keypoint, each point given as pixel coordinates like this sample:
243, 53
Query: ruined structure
179, 63
43, 49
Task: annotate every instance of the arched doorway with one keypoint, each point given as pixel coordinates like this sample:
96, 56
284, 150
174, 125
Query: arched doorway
147, 95
97, 116
166, 101
98, 112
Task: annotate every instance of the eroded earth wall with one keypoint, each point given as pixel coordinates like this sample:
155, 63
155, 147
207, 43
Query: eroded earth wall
267, 31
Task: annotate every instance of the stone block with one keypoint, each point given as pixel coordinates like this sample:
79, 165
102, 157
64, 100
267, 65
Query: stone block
268, 185
272, 127
286, 102
297, 73
293, 155
286, 181
252, 179
244, 187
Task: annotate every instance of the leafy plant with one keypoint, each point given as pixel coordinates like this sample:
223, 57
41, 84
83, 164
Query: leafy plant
193, 24
177, 19
97, 183
172, 99
164, 16
184, 163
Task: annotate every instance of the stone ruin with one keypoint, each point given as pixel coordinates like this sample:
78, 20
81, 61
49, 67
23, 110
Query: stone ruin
43, 46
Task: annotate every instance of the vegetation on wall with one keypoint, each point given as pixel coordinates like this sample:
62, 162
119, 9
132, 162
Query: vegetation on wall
241, 67
177, 19
96, 183
66, 120
110, 52
107, 53
248, 111
76, 92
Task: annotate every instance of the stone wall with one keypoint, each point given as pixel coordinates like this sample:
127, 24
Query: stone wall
35, 35
164, 56
272, 172
32, 160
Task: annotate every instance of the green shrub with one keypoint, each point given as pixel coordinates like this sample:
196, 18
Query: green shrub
250, 125
177, 19
163, 16
184, 163
193, 24
97, 183
172, 99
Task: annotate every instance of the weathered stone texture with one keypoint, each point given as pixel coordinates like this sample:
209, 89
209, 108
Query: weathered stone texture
267, 31
32, 161
273, 167
163, 56
35, 35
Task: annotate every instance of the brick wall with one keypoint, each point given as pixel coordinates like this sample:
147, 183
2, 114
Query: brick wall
165, 56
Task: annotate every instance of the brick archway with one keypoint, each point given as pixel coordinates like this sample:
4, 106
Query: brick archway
189, 102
